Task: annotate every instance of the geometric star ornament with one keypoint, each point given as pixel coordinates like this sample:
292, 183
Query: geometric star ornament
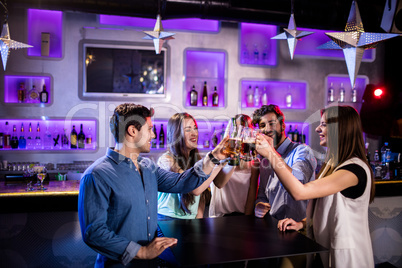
354, 41
292, 35
6, 44
158, 35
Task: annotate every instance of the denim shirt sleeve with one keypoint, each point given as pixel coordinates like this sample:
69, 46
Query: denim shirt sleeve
92, 208
304, 164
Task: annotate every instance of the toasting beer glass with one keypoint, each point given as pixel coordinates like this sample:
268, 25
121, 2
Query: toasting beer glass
232, 146
247, 151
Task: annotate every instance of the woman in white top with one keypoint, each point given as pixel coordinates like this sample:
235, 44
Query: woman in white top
337, 214
233, 191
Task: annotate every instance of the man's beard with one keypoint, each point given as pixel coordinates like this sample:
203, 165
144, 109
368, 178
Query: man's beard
277, 136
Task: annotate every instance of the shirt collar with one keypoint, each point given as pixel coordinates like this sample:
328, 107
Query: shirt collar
117, 157
282, 148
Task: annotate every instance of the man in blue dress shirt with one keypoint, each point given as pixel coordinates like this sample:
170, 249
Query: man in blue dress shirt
272, 197
117, 204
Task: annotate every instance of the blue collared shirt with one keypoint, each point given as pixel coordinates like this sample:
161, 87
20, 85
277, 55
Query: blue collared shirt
303, 163
117, 206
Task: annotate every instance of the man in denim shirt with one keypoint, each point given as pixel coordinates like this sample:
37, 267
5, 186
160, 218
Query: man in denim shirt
117, 204
272, 196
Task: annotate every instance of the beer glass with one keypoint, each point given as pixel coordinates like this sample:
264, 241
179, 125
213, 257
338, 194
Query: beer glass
232, 146
247, 149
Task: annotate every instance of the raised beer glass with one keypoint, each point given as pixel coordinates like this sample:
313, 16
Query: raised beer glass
232, 146
247, 151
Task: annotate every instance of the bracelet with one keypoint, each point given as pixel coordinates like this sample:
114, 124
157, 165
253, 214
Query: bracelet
213, 159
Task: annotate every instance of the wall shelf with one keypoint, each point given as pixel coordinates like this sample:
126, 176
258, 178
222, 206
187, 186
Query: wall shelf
337, 81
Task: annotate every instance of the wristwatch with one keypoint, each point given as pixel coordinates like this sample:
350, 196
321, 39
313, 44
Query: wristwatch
213, 159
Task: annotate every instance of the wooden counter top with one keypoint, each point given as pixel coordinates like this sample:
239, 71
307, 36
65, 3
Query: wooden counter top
54, 188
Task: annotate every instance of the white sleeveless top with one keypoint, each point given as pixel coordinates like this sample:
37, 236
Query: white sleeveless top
341, 224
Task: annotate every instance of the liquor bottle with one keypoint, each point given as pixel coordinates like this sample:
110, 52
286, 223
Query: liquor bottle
7, 137
30, 141
193, 97
250, 96
205, 95
81, 139
265, 54
331, 93
288, 98
296, 136
73, 138
214, 139
33, 95
257, 97
223, 132
64, 140
161, 137
56, 139
88, 139
38, 140
264, 97
341, 93
22, 142
256, 53
215, 97
153, 142
385, 160
206, 143
245, 54
22, 92
14, 138
290, 133
44, 95
47, 139
1, 139
354, 95
377, 165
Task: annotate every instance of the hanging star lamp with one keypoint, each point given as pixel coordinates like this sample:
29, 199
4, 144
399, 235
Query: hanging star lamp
6, 43
354, 41
158, 35
292, 34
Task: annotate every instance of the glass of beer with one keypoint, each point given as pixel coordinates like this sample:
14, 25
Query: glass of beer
232, 146
247, 151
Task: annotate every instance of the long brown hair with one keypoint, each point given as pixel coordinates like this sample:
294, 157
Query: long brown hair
344, 139
177, 147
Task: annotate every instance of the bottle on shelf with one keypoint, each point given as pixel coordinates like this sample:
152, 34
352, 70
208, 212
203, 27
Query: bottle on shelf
22, 92
377, 166
206, 142
288, 98
385, 160
47, 139
244, 54
88, 139
14, 138
256, 53
1, 138
81, 138
257, 97
44, 95
205, 95
7, 136
161, 138
73, 138
30, 140
38, 140
214, 139
193, 97
222, 132
64, 140
250, 96
264, 97
296, 136
22, 142
331, 93
290, 133
56, 139
341, 93
153, 142
33, 95
354, 94
265, 55
215, 97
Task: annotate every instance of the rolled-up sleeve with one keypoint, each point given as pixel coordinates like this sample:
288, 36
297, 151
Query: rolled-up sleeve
304, 164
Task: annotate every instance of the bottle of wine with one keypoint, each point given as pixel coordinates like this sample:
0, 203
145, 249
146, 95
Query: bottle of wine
88, 137
7, 136
38, 140
33, 95
81, 139
205, 95
215, 98
214, 139
264, 97
64, 140
341, 93
153, 142
44, 95
331, 93
193, 97
22, 93
14, 138
250, 97
30, 140
73, 138
22, 142
296, 135
354, 95
257, 97
290, 133
161, 137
